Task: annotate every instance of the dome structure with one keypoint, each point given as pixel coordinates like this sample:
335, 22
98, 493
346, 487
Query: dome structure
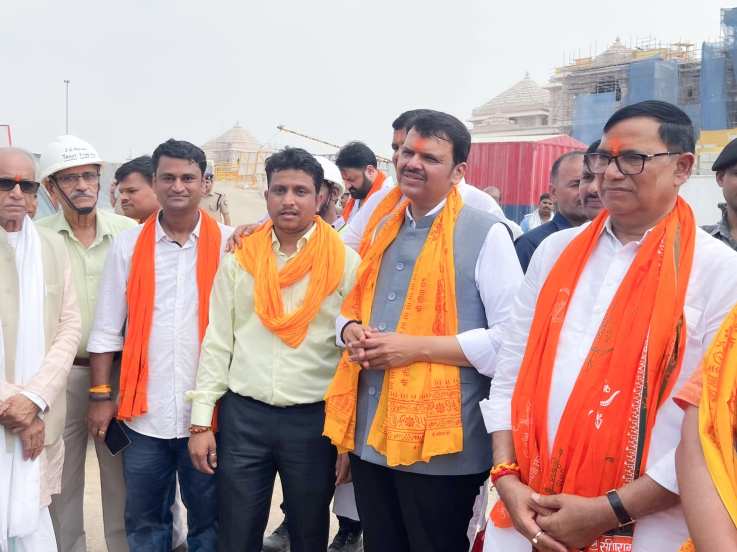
238, 158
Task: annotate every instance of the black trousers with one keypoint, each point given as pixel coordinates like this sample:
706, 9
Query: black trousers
257, 441
410, 512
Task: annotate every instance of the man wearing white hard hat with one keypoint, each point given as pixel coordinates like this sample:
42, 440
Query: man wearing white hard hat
330, 192
70, 171
39, 334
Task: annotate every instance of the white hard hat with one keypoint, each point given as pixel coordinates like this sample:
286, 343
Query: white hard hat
66, 152
331, 172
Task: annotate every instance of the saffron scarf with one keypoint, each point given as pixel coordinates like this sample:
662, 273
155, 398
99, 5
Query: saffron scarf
140, 296
322, 258
604, 434
375, 187
718, 415
419, 412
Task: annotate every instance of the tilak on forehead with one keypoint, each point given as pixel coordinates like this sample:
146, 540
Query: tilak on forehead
615, 145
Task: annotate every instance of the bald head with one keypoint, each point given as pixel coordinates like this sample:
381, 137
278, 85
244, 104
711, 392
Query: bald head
17, 162
494, 192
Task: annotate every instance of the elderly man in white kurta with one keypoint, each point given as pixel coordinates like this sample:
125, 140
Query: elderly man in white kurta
611, 319
39, 334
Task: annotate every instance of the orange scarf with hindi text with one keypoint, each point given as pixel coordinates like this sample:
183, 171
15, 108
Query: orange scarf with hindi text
140, 296
419, 411
375, 187
604, 434
322, 258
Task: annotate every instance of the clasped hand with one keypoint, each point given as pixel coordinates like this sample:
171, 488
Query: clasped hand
377, 350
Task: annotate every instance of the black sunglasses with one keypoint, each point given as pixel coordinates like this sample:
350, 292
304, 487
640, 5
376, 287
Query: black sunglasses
26, 186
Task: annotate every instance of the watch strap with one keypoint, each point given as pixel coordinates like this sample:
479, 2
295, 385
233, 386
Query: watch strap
620, 511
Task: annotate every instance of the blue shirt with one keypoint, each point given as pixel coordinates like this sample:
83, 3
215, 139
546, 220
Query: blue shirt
528, 242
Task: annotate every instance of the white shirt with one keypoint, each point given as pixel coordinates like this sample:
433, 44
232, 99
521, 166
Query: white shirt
174, 346
498, 275
710, 296
356, 225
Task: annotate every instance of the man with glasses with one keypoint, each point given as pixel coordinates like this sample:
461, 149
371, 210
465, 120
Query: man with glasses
612, 319
70, 170
39, 334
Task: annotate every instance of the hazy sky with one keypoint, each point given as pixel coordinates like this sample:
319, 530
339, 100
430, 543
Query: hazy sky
144, 70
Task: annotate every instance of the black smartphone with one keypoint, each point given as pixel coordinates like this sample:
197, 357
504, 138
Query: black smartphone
116, 438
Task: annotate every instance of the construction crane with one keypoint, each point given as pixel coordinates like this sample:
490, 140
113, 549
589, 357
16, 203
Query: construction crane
319, 141
10, 136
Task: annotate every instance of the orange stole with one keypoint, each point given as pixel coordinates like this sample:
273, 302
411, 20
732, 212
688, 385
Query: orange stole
140, 298
375, 187
419, 412
323, 258
599, 445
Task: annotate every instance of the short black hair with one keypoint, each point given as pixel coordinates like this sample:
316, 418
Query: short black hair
355, 155
593, 146
558, 162
436, 124
676, 128
179, 149
296, 159
404, 121
544, 195
141, 165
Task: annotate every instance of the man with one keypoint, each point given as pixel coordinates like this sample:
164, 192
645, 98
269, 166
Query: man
271, 356
70, 171
39, 333
362, 178
135, 185
496, 194
726, 169
353, 233
588, 188
156, 284
565, 177
542, 214
214, 203
580, 405
330, 191
416, 478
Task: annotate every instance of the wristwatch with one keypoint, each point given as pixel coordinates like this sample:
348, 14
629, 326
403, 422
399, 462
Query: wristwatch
620, 511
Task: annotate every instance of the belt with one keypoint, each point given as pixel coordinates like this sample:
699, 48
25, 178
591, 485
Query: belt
81, 362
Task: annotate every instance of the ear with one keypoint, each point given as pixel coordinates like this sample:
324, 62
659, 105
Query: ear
458, 172
683, 167
371, 172
266, 193
720, 178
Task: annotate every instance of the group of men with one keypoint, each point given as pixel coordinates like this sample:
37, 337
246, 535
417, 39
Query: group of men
382, 353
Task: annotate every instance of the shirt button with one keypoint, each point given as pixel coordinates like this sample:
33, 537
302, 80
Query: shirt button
400, 266
372, 390
392, 296
382, 327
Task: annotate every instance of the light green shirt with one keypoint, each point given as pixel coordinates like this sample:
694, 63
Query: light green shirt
87, 263
239, 353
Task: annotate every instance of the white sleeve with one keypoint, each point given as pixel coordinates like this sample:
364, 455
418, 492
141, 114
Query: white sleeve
498, 276
497, 409
111, 310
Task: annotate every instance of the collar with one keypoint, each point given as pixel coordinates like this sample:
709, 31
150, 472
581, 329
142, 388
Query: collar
429, 217
608, 230
161, 234
59, 224
560, 222
276, 246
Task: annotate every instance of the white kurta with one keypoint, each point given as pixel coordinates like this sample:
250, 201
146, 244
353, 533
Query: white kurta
710, 296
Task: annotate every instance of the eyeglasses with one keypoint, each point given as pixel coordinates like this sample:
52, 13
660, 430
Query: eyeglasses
629, 164
26, 186
71, 179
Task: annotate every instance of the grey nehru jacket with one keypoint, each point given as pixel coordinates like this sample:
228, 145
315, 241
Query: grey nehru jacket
397, 265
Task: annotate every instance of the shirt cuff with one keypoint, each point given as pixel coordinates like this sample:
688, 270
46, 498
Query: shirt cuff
340, 323
37, 400
479, 351
102, 342
496, 418
663, 472
202, 414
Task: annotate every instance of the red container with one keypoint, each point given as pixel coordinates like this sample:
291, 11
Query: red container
520, 169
